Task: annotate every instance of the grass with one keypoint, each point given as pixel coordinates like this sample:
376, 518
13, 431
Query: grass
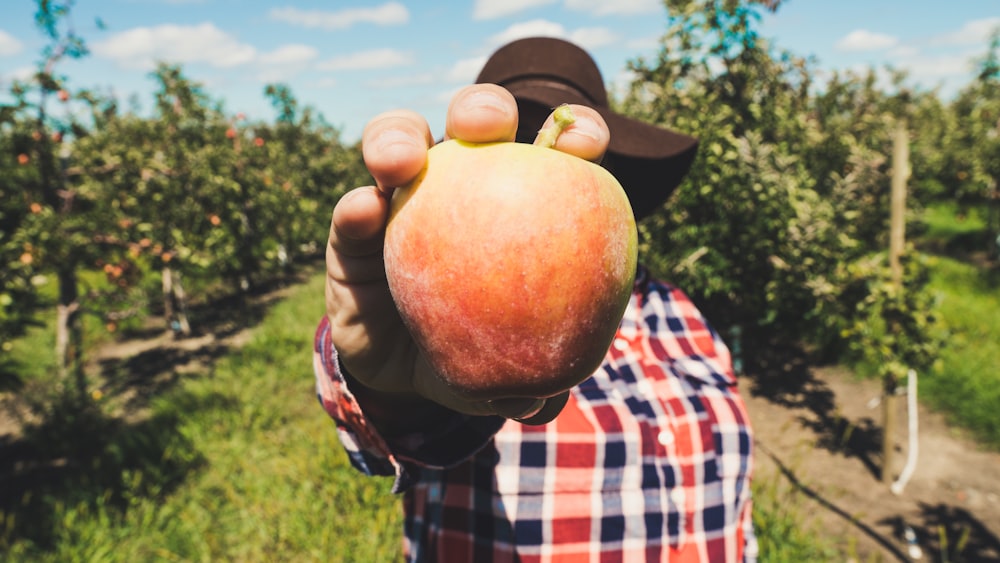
965, 383
965, 277
779, 521
236, 462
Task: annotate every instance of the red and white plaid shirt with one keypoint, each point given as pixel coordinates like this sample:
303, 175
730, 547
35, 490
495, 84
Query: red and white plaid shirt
650, 460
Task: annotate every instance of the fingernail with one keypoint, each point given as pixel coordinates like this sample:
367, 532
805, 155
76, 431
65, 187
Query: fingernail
485, 99
587, 128
535, 409
392, 138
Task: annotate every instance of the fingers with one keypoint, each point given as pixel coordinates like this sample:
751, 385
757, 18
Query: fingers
526, 410
358, 220
549, 409
394, 146
482, 113
587, 137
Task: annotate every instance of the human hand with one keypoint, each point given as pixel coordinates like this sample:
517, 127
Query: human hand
373, 344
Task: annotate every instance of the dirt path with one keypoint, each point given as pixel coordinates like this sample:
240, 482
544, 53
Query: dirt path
818, 432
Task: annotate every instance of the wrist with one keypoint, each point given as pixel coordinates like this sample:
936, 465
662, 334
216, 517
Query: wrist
396, 414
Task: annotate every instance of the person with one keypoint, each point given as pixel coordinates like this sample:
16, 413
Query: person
649, 459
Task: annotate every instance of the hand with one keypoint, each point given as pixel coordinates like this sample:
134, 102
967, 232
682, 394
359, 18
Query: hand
374, 345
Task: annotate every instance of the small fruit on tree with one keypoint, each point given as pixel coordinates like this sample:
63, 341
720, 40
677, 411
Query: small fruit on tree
511, 265
63, 95
22, 159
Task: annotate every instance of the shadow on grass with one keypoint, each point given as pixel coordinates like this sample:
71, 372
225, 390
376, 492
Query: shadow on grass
73, 454
80, 458
10, 379
148, 364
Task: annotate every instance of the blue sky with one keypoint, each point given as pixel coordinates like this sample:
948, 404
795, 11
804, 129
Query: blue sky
351, 59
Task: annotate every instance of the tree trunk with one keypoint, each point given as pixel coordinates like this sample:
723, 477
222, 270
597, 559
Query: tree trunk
69, 335
174, 303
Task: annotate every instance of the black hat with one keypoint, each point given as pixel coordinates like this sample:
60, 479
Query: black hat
648, 161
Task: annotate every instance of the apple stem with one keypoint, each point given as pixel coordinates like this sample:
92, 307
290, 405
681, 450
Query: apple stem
562, 118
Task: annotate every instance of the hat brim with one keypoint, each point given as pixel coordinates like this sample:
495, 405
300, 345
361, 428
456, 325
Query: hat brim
649, 161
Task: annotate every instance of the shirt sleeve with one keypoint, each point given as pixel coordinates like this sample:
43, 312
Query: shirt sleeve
453, 440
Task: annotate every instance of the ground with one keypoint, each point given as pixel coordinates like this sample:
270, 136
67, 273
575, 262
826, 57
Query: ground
817, 433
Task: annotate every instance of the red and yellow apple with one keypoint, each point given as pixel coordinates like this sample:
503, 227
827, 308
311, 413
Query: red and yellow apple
511, 265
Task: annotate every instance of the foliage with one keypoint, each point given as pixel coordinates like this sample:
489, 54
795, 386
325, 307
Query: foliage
974, 143
788, 196
893, 329
110, 206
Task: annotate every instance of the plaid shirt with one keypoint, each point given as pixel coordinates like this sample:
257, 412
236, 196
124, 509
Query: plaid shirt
650, 460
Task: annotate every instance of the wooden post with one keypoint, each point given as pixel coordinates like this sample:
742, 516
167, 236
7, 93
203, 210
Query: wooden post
897, 241
897, 217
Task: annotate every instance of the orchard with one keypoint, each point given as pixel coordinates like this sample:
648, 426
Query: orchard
116, 216
783, 233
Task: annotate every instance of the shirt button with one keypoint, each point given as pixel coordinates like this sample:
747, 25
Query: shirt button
644, 388
621, 344
665, 438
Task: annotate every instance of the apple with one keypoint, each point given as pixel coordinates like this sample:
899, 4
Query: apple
511, 265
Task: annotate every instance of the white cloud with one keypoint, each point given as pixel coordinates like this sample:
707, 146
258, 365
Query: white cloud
390, 13
21, 74
924, 68
492, 9
586, 37
142, 47
864, 40
531, 28
364, 60
285, 62
289, 55
903, 51
9, 45
593, 37
975, 32
615, 7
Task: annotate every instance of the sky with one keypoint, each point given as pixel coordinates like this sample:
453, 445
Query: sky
351, 59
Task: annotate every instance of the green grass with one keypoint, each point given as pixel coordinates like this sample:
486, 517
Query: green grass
966, 381
779, 520
236, 462
947, 229
965, 278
